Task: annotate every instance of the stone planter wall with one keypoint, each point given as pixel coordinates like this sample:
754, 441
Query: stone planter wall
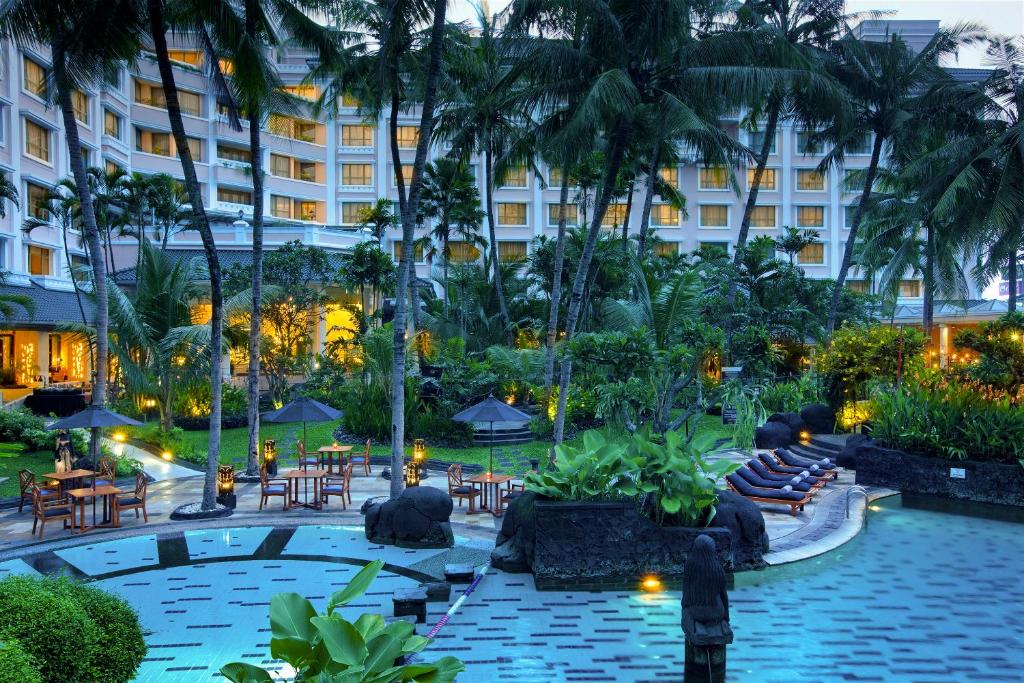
610, 545
983, 482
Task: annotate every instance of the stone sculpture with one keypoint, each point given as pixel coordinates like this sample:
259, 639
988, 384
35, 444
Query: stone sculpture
705, 614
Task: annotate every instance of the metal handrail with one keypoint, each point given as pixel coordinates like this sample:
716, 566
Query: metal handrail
856, 488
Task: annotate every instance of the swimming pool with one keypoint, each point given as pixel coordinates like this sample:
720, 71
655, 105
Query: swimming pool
918, 596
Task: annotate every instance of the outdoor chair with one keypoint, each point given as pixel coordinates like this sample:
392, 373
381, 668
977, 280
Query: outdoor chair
272, 487
776, 466
106, 472
308, 458
796, 482
335, 485
794, 499
793, 460
136, 500
49, 511
763, 471
26, 482
363, 459
457, 488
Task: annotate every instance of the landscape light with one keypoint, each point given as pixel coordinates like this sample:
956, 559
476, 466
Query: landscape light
652, 584
167, 455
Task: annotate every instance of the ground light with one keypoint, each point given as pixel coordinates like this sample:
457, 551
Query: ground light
651, 584
805, 436
119, 437
270, 456
167, 455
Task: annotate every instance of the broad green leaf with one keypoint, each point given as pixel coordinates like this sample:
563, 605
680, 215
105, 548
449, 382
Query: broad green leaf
370, 625
241, 672
671, 505
289, 616
414, 644
443, 670
341, 639
298, 652
356, 587
382, 653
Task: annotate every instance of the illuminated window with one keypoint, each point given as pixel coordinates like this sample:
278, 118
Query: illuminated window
757, 141
307, 210
227, 67
356, 136
226, 194
514, 177
348, 100
463, 252
80, 103
511, 213
296, 129
714, 249
352, 212
110, 167
812, 254
714, 215
406, 175
861, 146
111, 124
666, 248
859, 286
35, 77
614, 216
806, 144
37, 200
357, 174
417, 250
769, 181
150, 95
810, 216
664, 215
670, 175
234, 154
280, 207
190, 57
511, 252
38, 260
713, 178
555, 176
307, 171
306, 92
910, 289
191, 103
408, 136
764, 217
809, 180
571, 214
37, 141
280, 166
152, 142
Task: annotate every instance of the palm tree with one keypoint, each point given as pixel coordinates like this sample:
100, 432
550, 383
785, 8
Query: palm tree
885, 81
85, 46
795, 240
61, 205
378, 219
8, 302
8, 193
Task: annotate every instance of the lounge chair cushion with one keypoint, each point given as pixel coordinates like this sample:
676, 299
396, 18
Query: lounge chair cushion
274, 488
746, 489
130, 501
104, 482
56, 512
757, 480
795, 460
334, 488
766, 473
463, 489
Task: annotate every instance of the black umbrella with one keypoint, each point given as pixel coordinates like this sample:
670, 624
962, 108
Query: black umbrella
303, 409
491, 410
92, 417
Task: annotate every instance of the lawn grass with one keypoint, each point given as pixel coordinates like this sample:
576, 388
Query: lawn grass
14, 457
235, 442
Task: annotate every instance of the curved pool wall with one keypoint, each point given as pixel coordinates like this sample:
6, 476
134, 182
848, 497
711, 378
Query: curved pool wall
919, 595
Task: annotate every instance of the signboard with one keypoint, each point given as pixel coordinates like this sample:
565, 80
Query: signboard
728, 414
957, 473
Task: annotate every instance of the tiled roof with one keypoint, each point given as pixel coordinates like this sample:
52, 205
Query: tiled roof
52, 307
987, 309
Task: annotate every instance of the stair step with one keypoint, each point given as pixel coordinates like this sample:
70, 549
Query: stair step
826, 445
811, 452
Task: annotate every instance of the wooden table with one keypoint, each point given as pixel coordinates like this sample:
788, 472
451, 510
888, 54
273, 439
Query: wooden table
330, 451
63, 478
488, 482
293, 477
109, 516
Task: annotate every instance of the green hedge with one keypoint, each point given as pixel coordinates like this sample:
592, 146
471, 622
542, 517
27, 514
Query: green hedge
21, 426
17, 665
73, 631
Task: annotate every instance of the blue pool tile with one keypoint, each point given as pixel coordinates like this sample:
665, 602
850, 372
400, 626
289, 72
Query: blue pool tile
112, 556
211, 543
12, 567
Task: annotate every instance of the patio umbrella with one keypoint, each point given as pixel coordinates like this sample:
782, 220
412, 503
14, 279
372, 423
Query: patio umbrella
303, 409
94, 416
491, 410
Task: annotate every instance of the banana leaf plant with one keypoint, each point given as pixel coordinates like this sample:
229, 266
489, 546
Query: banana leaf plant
329, 649
586, 473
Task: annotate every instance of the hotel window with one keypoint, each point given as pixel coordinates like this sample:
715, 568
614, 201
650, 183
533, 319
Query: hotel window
307, 210
859, 286
226, 194
306, 92
360, 175
714, 215
110, 167
853, 180
352, 212
713, 249
226, 66
280, 166
38, 260
80, 103
809, 180
848, 212
417, 250
765, 217
812, 255
348, 100
153, 142
150, 95
356, 136
511, 213
305, 131
713, 178
757, 140
280, 207
664, 215
80, 268
554, 176
670, 175
190, 103
514, 177
614, 216
571, 214
195, 148
861, 146
511, 252
37, 199
666, 248
307, 171
408, 136
769, 180
113, 79
234, 154
86, 157
910, 289
810, 216
37, 141
190, 57
406, 175
805, 144
111, 124
35, 77
463, 252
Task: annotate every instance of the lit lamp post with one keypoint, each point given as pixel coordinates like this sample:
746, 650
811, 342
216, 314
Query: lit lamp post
226, 486
412, 474
419, 457
270, 456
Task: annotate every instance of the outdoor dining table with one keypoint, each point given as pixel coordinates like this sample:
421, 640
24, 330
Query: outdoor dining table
293, 477
64, 479
329, 451
109, 510
491, 485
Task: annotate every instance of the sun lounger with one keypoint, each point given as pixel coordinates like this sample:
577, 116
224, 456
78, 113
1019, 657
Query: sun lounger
794, 460
794, 499
765, 472
795, 482
781, 468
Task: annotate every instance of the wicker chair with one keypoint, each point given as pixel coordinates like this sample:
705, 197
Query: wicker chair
338, 486
363, 459
49, 511
272, 487
26, 482
457, 488
136, 501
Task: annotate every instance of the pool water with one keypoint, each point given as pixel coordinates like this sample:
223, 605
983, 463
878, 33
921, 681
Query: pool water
919, 596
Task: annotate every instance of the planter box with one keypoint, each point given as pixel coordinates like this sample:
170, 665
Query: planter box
610, 545
983, 482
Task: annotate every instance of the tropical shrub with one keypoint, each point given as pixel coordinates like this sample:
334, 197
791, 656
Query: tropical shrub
1000, 348
756, 352
791, 396
21, 426
325, 383
330, 648
192, 407
863, 352
750, 412
17, 665
172, 441
107, 644
589, 472
949, 421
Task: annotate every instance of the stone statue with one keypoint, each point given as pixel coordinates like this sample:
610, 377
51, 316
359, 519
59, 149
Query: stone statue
705, 617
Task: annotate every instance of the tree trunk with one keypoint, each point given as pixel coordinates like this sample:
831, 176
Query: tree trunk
645, 214
1011, 275
499, 290
408, 227
444, 266
202, 224
396, 155
252, 467
604, 199
928, 309
625, 218
869, 179
556, 291
92, 240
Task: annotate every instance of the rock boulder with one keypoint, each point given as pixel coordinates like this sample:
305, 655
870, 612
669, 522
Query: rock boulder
745, 522
773, 435
513, 549
820, 418
419, 518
